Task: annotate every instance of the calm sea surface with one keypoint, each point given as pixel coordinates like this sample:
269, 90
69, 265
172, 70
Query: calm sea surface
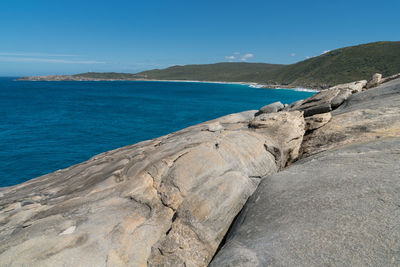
46, 126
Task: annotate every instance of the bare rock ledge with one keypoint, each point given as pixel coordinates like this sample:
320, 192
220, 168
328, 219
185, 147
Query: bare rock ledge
163, 202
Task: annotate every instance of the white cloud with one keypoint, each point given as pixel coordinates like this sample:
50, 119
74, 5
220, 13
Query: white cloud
246, 56
236, 53
230, 57
307, 57
292, 54
48, 60
326, 51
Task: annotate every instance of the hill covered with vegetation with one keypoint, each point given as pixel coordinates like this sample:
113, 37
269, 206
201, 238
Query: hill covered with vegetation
337, 66
227, 71
342, 65
334, 67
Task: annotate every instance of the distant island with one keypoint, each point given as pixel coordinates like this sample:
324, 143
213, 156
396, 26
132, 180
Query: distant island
337, 66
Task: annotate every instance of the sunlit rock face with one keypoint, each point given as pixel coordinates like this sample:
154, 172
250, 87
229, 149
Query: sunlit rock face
163, 202
339, 204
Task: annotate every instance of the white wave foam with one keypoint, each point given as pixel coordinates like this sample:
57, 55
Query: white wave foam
256, 85
306, 90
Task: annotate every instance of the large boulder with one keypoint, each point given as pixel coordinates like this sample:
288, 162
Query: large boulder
389, 78
163, 202
318, 103
274, 107
337, 208
266, 124
317, 121
353, 87
375, 81
366, 116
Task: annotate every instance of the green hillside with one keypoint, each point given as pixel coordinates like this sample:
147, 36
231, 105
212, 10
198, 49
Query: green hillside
230, 72
337, 66
343, 65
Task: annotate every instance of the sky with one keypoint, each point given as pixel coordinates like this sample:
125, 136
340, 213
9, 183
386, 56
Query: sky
45, 37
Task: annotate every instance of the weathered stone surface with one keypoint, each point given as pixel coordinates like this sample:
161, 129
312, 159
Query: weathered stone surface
354, 87
389, 78
279, 126
365, 116
317, 121
318, 103
375, 81
163, 202
274, 107
340, 98
293, 106
215, 127
337, 208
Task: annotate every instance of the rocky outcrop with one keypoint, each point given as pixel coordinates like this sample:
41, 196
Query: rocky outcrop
339, 205
353, 87
163, 202
274, 107
317, 121
366, 116
389, 78
375, 81
337, 208
284, 153
318, 103
170, 201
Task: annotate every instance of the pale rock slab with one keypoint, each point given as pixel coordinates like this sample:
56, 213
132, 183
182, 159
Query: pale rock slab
162, 202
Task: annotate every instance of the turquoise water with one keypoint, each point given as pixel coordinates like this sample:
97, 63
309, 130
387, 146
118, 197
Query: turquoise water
46, 126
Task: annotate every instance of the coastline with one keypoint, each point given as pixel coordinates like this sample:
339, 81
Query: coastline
57, 78
218, 169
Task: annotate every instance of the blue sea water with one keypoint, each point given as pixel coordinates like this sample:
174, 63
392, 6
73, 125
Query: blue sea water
46, 126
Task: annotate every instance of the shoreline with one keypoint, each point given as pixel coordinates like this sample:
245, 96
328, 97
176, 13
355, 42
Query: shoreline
249, 84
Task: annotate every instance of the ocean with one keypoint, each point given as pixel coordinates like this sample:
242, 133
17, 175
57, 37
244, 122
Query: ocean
46, 126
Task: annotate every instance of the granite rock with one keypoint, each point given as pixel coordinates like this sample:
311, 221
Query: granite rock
318, 103
317, 121
274, 107
375, 81
338, 208
365, 116
163, 202
353, 87
267, 123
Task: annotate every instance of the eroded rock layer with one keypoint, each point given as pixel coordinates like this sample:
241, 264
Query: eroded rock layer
340, 204
338, 208
163, 202
170, 201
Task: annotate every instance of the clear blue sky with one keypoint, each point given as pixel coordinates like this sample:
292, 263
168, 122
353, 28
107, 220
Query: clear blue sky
58, 36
